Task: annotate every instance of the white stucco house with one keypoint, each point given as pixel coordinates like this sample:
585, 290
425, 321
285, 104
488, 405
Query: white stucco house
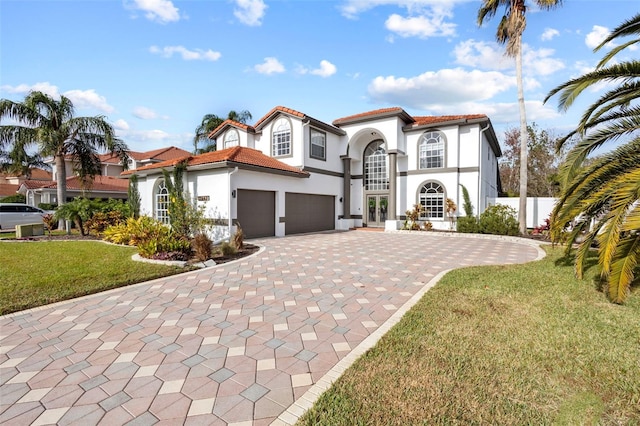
291, 173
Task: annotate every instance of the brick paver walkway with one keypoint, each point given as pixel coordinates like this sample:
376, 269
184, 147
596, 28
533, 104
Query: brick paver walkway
236, 344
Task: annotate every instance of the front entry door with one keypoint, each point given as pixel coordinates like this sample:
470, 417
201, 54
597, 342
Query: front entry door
377, 209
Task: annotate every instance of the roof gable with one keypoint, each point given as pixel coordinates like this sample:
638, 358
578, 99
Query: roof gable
374, 115
230, 123
230, 156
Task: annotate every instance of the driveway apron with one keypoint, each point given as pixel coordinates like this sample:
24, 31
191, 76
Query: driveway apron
239, 343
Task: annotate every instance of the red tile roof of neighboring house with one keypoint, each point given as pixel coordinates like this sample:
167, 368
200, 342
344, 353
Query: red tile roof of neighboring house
36, 174
276, 110
161, 154
370, 115
432, 119
237, 154
226, 123
100, 183
7, 189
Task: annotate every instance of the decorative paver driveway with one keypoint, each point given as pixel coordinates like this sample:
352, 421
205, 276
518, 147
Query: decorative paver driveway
235, 344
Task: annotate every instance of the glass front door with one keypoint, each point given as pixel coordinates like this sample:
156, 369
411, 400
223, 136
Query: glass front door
377, 206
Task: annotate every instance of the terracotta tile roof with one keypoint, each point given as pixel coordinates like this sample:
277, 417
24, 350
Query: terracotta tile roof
432, 119
227, 122
161, 154
383, 112
276, 110
100, 183
237, 154
7, 189
36, 174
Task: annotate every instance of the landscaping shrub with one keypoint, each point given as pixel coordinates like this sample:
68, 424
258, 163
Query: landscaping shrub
168, 247
50, 222
499, 220
202, 247
467, 224
100, 221
48, 206
227, 249
427, 226
16, 198
238, 238
134, 231
411, 223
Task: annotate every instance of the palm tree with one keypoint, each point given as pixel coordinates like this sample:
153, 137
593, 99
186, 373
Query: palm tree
210, 122
510, 29
19, 162
601, 196
50, 125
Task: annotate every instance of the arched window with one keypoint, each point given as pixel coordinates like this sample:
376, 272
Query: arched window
431, 197
162, 202
231, 138
281, 142
431, 150
376, 172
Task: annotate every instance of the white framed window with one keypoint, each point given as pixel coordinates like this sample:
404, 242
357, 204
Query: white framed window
318, 144
162, 202
376, 170
281, 140
431, 150
431, 196
231, 138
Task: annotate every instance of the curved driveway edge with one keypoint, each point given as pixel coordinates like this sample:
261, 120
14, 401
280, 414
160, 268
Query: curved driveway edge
249, 342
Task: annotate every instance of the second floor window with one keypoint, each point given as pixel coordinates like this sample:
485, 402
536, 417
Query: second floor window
231, 138
431, 150
281, 142
318, 144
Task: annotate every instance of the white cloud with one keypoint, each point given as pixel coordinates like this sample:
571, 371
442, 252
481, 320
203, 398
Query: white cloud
187, 55
121, 125
44, 87
490, 56
481, 54
420, 26
596, 36
443, 87
352, 8
88, 99
327, 69
549, 33
144, 113
161, 11
270, 66
250, 12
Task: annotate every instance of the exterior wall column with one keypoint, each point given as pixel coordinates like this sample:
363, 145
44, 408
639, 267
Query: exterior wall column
346, 187
393, 183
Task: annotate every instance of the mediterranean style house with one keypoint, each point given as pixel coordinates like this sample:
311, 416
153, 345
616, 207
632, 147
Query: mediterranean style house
291, 173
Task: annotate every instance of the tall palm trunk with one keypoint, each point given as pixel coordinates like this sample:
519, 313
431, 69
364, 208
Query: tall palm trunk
522, 210
61, 180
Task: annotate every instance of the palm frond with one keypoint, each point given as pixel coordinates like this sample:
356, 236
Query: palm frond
629, 27
623, 267
613, 52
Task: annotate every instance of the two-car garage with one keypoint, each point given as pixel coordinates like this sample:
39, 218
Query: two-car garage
303, 213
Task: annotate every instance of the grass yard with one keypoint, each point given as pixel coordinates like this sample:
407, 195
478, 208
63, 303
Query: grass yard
36, 273
511, 345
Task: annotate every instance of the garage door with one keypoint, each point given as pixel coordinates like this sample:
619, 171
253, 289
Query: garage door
257, 213
308, 213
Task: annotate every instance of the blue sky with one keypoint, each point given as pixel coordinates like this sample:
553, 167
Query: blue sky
155, 67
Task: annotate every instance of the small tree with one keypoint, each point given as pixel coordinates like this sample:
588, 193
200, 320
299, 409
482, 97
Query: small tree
467, 223
450, 207
134, 196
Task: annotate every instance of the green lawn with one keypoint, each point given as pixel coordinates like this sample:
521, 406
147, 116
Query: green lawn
511, 345
37, 273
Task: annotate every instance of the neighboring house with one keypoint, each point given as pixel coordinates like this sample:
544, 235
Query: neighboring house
10, 183
291, 173
106, 185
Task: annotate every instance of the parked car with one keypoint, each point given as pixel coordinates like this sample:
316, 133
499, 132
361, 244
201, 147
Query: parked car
12, 214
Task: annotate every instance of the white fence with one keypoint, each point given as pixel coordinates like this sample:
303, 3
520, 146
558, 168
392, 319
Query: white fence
538, 208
